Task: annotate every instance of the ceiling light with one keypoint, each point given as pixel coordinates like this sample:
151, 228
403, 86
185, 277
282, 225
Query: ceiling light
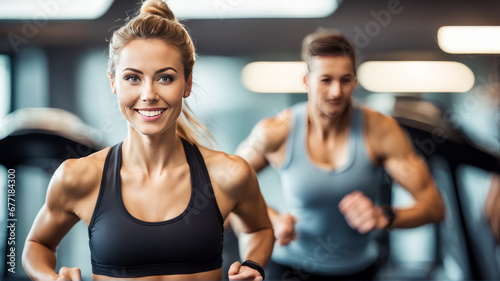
469, 39
41, 11
274, 77
415, 76
226, 9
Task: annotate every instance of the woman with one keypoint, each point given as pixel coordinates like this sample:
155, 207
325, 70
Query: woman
330, 154
154, 204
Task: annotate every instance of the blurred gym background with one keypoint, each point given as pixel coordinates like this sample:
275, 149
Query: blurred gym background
56, 103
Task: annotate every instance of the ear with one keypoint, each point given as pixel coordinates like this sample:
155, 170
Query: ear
112, 81
189, 85
306, 82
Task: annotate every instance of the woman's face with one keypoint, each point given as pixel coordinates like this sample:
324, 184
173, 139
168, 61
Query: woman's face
150, 84
330, 83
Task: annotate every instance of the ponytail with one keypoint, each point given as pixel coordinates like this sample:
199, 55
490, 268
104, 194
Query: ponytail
156, 21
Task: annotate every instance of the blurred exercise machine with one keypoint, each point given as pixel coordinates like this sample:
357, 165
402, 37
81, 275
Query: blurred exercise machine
447, 151
44, 137
41, 138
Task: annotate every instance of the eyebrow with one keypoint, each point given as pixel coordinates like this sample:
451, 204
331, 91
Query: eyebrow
156, 72
345, 75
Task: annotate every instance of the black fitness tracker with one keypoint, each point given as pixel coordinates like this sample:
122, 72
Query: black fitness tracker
255, 266
390, 213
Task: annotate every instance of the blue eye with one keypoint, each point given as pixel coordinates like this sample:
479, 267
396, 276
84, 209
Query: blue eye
166, 79
132, 78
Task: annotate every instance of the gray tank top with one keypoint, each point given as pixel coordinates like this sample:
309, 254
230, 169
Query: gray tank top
326, 244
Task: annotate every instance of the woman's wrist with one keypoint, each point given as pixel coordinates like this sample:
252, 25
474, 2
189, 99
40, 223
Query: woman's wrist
256, 266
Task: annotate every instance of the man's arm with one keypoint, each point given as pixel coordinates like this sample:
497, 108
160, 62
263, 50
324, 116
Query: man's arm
412, 173
256, 148
264, 145
391, 147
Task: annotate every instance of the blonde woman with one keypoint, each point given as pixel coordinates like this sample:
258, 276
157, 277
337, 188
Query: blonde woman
154, 204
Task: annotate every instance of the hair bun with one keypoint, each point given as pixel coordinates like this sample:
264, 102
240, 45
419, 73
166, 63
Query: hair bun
157, 7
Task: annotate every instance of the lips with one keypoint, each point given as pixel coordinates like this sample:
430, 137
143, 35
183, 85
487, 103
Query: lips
334, 101
150, 114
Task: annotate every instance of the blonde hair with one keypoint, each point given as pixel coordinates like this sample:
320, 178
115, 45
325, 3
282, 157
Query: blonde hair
155, 20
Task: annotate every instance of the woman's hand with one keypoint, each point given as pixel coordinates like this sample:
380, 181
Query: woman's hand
238, 272
69, 274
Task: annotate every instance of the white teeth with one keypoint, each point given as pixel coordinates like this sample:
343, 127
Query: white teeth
150, 113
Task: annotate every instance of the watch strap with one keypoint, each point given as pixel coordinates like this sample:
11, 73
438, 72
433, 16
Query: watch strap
255, 266
389, 213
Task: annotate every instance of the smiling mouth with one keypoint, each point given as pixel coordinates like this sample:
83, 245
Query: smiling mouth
150, 113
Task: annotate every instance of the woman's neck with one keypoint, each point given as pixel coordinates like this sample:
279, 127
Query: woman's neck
152, 154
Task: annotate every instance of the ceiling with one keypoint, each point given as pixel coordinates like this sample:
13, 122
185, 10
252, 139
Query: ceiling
412, 26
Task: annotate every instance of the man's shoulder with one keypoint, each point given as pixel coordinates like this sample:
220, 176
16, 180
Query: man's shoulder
383, 133
270, 133
378, 122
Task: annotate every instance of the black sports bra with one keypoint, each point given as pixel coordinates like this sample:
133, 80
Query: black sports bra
124, 246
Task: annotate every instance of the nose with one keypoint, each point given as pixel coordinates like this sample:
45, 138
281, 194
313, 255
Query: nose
149, 94
335, 90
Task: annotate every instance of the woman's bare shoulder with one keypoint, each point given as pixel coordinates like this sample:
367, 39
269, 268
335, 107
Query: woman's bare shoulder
227, 170
76, 178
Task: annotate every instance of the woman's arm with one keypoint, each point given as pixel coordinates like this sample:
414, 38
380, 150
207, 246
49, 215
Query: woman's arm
54, 220
250, 211
39, 259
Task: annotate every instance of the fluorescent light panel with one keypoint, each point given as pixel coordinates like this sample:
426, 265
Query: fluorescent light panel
40, 11
469, 39
226, 9
274, 77
415, 76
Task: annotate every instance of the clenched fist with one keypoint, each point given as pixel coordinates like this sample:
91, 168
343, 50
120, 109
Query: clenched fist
69, 274
361, 214
284, 229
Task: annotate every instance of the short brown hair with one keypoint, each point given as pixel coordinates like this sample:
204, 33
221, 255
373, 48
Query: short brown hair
327, 43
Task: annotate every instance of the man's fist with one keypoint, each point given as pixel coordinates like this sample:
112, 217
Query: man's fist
361, 214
